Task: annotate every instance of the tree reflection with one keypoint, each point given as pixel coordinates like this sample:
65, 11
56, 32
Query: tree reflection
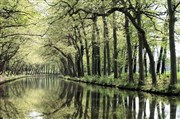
8, 110
4, 91
129, 107
114, 106
78, 102
60, 99
173, 108
87, 105
152, 108
106, 106
95, 104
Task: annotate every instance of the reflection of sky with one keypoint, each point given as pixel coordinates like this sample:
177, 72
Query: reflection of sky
35, 115
147, 110
40, 96
178, 114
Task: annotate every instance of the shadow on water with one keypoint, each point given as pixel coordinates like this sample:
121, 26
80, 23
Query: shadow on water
53, 98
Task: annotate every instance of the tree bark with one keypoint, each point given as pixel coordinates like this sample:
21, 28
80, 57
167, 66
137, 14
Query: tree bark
146, 45
93, 47
130, 69
159, 60
115, 56
163, 68
96, 64
171, 13
141, 68
145, 64
86, 50
106, 46
98, 58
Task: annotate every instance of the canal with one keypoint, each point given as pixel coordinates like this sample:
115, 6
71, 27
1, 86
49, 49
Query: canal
56, 98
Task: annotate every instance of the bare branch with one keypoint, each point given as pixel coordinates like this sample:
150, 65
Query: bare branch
175, 7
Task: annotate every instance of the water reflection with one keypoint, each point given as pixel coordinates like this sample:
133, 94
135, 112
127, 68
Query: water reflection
35, 115
53, 98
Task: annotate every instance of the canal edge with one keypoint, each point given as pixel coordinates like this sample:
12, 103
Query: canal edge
150, 91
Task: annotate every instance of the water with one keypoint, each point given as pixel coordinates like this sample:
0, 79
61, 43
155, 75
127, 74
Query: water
55, 98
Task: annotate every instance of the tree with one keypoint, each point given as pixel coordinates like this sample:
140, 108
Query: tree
115, 55
106, 44
128, 40
172, 6
141, 32
17, 23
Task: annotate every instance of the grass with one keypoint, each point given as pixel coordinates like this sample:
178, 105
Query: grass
162, 86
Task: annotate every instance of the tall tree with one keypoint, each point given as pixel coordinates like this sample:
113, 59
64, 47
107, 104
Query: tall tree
96, 67
115, 55
129, 50
141, 67
86, 49
171, 12
106, 47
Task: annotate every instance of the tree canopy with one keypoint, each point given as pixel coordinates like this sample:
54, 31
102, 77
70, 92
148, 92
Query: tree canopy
90, 37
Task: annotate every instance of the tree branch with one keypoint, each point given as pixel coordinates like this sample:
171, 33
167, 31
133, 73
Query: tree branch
175, 7
19, 34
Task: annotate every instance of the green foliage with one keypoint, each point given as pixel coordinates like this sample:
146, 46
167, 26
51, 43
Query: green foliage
18, 26
66, 29
162, 86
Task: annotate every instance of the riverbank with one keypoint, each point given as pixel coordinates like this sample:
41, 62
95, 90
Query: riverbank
7, 79
162, 87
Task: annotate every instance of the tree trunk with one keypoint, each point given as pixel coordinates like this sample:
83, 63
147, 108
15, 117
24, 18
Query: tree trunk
145, 64
115, 56
146, 45
80, 54
106, 47
129, 50
98, 58
105, 44
141, 68
93, 47
96, 64
163, 68
151, 59
126, 63
171, 13
71, 67
134, 58
108, 58
86, 50
159, 60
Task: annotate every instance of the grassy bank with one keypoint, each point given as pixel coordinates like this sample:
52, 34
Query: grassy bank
162, 87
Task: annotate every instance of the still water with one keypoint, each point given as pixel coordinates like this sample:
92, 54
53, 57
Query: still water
55, 98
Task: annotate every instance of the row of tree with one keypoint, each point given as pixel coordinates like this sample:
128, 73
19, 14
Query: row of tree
18, 19
104, 37
92, 37
12, 19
